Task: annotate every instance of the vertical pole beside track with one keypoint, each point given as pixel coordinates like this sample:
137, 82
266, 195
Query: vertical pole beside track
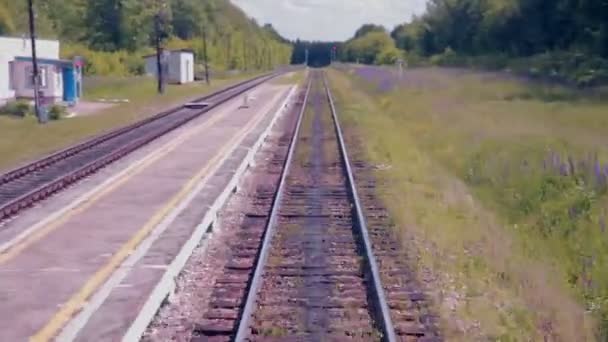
159, 64
205, 54
384, 315
256, 281
35, 74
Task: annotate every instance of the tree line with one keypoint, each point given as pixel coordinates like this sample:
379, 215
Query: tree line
113, 34
517, 28
563, 39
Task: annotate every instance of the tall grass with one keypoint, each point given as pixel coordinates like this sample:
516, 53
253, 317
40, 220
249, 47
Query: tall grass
532, 156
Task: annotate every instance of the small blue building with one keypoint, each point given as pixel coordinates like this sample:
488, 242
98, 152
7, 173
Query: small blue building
60, 79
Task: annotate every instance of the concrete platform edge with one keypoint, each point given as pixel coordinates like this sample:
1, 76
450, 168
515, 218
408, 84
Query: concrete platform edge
167, 283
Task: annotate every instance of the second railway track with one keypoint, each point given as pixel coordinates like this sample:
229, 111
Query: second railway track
23, 187
304, 268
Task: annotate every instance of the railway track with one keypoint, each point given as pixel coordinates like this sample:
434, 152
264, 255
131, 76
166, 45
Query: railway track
304, 267
24, 186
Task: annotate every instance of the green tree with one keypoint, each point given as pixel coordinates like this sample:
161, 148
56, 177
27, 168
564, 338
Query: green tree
368, 28
374, 47
6, 22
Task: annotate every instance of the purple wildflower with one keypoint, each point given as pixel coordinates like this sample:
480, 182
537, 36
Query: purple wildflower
387, 85
602, 224
563, 169
599, 175
557, 163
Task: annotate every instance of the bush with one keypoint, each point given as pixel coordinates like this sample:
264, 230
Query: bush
388, 56
57, 112
571, 67
118, 63
17, 108
448, 58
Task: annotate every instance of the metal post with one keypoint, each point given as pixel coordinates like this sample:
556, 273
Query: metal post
205, 55
400, 63
34, 62
159, 67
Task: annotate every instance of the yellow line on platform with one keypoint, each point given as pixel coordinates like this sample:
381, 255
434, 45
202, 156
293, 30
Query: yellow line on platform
16, 250
75, 303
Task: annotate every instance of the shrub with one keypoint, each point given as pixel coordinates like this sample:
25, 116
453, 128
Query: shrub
388, 55
17, 108
118, 63
491, 62
448, 58
56, 112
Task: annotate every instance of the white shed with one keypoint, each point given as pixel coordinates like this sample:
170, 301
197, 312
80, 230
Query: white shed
10, 49
178, 66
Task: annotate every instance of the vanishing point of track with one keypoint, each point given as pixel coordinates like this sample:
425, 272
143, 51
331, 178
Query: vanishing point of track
304, 268
23, 187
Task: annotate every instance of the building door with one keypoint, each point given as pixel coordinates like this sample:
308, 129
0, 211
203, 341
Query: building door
69, 85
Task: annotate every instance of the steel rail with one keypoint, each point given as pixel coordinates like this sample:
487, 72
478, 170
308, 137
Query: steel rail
71, 150
245, 317
383, 314
23, 201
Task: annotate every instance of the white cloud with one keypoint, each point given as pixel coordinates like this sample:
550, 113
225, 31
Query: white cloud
329, 20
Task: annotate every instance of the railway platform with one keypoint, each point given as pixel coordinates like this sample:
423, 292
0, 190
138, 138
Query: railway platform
94, 262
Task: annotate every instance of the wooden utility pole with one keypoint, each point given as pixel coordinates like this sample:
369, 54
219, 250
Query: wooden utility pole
159, 65
205, 55
35, 75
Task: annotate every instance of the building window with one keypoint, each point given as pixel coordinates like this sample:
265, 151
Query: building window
11, 75
58, 75
42, 77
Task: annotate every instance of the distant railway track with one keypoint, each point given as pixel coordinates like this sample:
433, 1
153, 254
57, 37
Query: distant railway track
29, 184
303, 267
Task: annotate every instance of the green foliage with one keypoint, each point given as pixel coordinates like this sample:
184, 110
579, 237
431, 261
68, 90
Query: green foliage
517, 27
17, 108
6, 22
447, 58
458, 156
565, 39
118, 63
375, 47
117, 24
113, 35
57, 112
563, 211
368, 28
388, 55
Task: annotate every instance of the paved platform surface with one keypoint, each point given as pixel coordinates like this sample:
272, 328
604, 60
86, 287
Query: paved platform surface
87, 271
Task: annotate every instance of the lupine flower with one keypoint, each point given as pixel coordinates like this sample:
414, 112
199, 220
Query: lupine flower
563, 170
599, 175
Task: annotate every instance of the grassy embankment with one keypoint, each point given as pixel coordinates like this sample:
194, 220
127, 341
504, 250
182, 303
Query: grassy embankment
499, 188
294, 77
22, 140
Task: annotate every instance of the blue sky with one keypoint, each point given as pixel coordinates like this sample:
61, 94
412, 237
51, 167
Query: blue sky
328, 19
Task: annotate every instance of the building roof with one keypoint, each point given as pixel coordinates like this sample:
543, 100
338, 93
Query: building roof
28, 39
61, 62
173, 51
